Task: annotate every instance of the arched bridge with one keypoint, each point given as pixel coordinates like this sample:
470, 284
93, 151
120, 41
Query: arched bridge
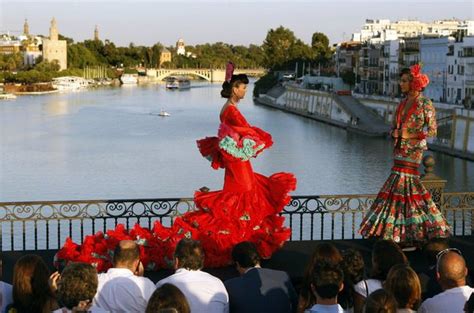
212, 75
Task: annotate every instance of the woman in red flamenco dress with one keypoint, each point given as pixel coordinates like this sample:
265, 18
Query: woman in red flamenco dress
403, 210
246, 209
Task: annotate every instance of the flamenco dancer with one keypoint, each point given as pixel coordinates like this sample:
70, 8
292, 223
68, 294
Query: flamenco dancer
403, 210
246, 209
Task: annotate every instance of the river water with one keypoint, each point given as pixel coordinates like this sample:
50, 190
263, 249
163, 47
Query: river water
110, 143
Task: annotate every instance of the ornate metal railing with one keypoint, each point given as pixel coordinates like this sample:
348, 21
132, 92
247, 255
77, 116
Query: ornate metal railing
45, 225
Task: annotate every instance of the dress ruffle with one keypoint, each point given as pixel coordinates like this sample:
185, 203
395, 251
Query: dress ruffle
404, 211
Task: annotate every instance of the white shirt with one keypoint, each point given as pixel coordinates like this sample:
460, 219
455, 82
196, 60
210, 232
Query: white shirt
92, 309
119, 290
451, 300
372, 284
322, 308
6, 294
204, 292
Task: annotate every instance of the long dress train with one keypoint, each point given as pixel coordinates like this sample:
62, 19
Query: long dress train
246, 209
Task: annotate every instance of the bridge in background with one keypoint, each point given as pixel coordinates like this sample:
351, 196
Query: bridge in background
212, 75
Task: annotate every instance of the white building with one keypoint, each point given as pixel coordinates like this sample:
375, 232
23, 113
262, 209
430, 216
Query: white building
410, 28
460, 71
433, 55
393, 66
371, 28
180, 48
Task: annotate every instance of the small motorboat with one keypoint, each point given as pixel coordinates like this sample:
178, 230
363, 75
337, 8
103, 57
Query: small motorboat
163, 113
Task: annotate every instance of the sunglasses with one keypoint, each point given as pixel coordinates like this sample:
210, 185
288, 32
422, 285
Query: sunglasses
443, 252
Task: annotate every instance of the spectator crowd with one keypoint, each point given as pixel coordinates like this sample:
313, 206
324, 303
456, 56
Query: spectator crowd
334, 281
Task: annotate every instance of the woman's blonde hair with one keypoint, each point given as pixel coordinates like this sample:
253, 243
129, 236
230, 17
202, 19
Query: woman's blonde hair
404, 284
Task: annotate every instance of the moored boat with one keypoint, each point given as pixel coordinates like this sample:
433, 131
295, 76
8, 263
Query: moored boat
173, 82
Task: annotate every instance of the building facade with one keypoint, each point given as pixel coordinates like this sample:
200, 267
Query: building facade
460, 71
165, 56
433, 55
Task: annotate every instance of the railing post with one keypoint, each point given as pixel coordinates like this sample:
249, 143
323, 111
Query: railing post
433, 183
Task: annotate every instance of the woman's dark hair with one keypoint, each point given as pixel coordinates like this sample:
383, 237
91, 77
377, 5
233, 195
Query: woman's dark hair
168, 298
353, 266
404, 71
235, 81
31, 291
385, 254
380, 301
78, 282
327, 280
404, 284
324, 253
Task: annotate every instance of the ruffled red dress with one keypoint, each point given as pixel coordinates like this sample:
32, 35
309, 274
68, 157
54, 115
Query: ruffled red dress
246, 209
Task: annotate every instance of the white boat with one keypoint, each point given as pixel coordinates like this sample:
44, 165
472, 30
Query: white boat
7, 96
173, 82
163, 113
129, 79
70, 83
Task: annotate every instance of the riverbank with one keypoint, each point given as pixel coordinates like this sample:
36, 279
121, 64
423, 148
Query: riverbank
373, 116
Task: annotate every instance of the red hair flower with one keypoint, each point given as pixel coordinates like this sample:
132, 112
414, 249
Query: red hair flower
419, 80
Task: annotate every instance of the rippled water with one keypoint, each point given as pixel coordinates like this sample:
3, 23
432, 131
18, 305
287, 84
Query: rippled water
111, 144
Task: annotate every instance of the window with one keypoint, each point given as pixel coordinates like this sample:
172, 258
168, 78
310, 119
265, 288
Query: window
458, 96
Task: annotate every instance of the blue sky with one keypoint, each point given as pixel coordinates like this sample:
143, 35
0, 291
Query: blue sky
198, 21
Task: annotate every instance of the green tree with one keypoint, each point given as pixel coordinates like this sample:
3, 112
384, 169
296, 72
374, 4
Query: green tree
46, 66
282, 49
276, 47
320, 47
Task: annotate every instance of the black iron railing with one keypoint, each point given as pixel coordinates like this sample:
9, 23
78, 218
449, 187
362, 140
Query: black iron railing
46, 225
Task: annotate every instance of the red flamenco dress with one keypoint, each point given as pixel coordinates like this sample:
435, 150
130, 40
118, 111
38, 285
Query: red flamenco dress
246, 209
404, 210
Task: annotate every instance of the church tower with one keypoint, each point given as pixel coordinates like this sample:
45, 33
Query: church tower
26, 28
96, 33
53, 30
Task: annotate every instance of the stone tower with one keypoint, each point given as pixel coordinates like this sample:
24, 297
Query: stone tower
53, 30
54, 49
26, 28
96, 33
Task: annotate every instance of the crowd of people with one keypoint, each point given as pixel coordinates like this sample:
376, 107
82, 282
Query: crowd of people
333, 281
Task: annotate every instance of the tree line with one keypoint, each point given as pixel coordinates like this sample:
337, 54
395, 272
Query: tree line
280, 50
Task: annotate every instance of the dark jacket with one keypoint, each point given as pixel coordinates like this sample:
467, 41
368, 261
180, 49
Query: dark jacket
261, 290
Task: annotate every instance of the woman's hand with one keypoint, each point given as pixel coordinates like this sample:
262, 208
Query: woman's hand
395, 133
140, 271
83, 306
53, 281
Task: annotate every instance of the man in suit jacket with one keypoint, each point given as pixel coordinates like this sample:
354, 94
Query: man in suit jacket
258, 289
